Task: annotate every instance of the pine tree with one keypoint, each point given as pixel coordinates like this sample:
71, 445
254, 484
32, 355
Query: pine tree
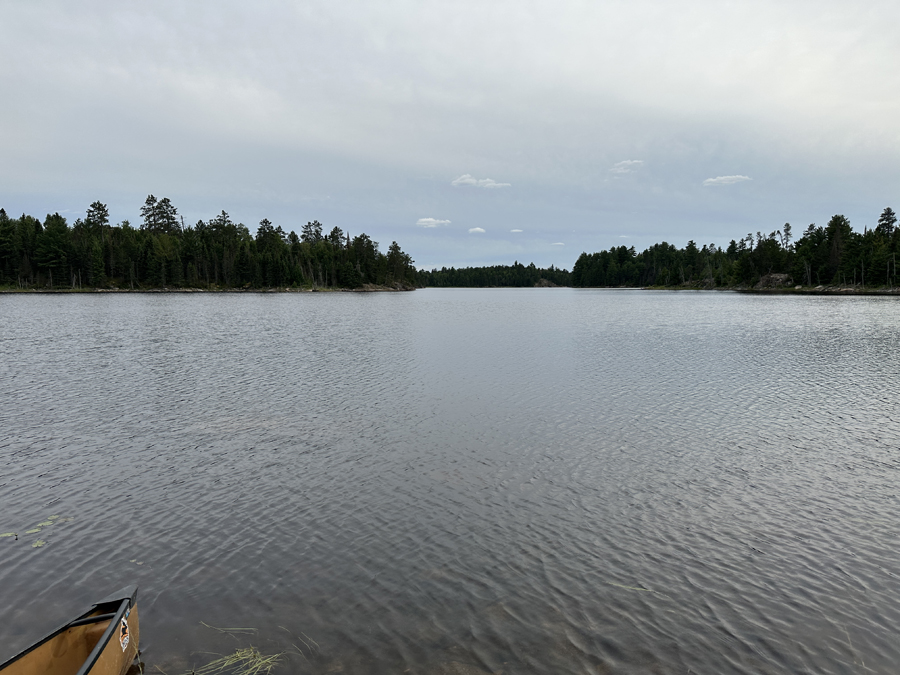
886, 222
149, 214
52, 249
97, 217
7, 248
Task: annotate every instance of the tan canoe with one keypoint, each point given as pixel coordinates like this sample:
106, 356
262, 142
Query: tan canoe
102, 641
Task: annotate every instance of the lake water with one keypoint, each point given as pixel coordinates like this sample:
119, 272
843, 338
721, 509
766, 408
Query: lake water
460, 481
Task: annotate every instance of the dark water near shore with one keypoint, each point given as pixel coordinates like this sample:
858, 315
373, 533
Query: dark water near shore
460, 481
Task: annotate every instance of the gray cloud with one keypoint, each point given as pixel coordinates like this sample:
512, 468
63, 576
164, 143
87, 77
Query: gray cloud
515, 230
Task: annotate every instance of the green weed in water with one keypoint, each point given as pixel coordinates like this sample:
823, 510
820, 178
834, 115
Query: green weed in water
39, 543
247, 661
228, 630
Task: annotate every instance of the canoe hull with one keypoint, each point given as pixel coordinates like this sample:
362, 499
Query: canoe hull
105, 647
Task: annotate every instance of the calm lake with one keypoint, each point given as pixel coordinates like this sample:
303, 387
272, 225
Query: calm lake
459, 481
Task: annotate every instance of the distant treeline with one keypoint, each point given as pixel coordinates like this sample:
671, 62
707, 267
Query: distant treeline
830, 255
163, 252
516, 275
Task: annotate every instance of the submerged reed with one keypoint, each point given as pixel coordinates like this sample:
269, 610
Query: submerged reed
247, 661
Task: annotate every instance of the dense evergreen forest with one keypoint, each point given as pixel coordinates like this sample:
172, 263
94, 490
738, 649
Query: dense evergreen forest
163, 252
516, 275
834, 255
222, 254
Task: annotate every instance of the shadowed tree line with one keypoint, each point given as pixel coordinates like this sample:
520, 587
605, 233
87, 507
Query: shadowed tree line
163, 252
830, 255
515, 275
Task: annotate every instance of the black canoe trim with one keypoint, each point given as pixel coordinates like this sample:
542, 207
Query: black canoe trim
97, 618
127, 594
111, 630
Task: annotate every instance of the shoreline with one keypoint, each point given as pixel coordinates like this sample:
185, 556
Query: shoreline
368, 288
372, 288
806, 290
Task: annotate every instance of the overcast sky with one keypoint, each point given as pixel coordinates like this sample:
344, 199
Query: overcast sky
470, 132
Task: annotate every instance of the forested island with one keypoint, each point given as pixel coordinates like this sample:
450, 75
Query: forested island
162, 252
834, 256
516, 275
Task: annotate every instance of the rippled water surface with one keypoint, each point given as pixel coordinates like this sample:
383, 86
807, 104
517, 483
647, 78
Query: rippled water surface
460, 481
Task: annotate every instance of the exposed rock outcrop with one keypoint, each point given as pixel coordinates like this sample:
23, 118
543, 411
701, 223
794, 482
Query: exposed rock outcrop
774, 281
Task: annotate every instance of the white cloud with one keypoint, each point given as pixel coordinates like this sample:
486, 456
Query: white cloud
515, 230
557, 243
627, 166
469, 179
476, 230
726, 180
431, 222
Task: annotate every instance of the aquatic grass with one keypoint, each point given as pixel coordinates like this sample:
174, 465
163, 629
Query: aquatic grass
237, 631
247, 661
852, 648
305, 643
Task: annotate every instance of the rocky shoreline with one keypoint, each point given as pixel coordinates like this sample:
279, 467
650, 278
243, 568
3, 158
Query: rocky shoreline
820, 290
804, 290
782, 284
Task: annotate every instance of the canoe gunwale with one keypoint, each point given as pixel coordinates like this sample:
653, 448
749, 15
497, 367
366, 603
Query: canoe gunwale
104, 639
123, 601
